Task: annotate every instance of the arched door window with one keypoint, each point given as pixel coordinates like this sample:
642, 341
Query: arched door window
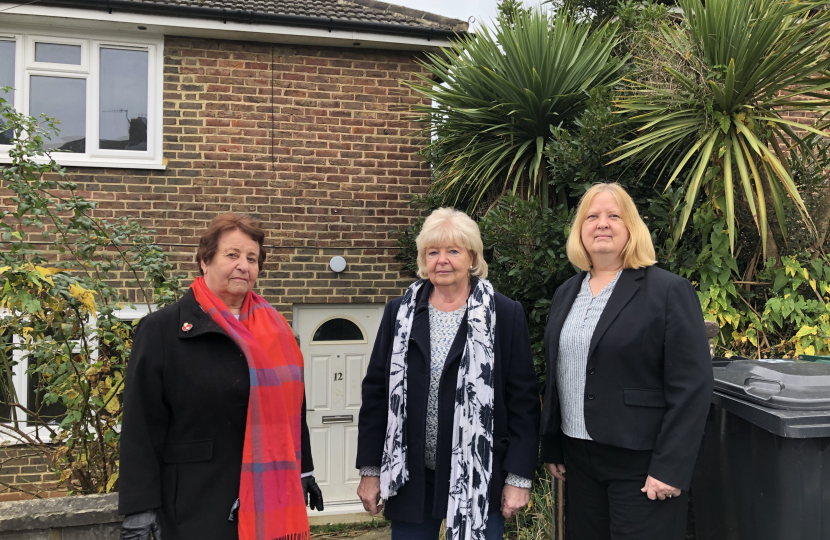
338, 329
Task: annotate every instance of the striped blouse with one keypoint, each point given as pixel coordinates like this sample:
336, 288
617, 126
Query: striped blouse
574, 343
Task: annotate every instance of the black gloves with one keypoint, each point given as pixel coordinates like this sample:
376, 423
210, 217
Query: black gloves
139, 526
312, 494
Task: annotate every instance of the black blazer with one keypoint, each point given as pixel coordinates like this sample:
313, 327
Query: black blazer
649, 374
516, 404
185, 409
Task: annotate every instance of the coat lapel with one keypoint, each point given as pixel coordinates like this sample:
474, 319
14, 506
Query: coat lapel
420, 323
193, 321
624, 290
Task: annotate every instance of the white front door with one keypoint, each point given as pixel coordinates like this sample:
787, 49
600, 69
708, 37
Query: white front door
336, 343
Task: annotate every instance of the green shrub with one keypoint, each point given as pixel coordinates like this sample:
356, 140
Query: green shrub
537, 520
502, 90
57, 262
524, 245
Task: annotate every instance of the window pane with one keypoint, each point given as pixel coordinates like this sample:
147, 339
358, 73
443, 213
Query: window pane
6, 79
123, 99
65, 99
338, 330
51, 413
56, 53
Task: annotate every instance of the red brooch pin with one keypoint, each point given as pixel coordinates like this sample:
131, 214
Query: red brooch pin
186, 327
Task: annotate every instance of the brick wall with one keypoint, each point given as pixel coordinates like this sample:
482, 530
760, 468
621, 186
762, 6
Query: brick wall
316, 142
23, 468
313, 141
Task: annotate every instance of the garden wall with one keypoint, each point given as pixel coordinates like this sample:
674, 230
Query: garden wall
92, 517
24, 469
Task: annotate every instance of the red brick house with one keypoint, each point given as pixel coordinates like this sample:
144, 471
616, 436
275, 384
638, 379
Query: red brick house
173, 111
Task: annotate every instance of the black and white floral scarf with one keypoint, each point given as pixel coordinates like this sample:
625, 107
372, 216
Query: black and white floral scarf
472, 440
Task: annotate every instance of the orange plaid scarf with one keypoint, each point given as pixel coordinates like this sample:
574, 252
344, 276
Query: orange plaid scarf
271, 505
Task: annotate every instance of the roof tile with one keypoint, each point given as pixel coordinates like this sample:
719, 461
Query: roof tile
355, 10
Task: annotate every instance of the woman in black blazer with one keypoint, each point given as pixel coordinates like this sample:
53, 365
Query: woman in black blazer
448, 426
629, 379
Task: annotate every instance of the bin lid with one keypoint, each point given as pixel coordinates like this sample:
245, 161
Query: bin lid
814, 358
779, 384
790, 424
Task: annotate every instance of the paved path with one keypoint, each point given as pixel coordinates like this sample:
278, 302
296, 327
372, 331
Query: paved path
383, 533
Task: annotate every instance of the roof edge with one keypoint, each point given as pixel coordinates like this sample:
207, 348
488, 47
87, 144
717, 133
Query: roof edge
456, 24
246, 16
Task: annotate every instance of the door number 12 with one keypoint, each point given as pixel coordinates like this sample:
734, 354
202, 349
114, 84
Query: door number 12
338, 376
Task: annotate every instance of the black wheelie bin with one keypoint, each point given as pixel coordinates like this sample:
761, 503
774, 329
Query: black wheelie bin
763, 472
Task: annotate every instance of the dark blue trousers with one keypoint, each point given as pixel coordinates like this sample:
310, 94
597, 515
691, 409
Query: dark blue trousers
429, 527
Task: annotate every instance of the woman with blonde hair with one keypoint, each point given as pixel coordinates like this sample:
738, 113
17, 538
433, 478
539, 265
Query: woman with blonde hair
449, 424
629, 379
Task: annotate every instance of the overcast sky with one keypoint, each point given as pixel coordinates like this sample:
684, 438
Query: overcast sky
482, 10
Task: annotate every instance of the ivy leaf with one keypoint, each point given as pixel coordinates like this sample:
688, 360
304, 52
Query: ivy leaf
113, 405
806, 331
780, 280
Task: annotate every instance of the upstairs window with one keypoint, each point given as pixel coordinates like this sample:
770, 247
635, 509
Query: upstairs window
106, 93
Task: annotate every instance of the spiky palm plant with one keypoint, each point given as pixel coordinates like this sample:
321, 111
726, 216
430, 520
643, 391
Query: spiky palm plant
495, 96
713, 99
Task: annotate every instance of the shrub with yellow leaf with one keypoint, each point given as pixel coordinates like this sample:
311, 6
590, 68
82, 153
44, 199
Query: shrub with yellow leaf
58, 313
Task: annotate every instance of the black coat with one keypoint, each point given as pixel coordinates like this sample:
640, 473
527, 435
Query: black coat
516, 404
185, 410
649, 374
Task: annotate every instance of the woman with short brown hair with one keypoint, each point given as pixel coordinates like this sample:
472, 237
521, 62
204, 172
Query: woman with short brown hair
214, 442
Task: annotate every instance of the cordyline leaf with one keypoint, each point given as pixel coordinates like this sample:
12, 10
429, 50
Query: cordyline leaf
694, 186
777, 198
738, 65
490, 118
728, 193
744, 174
759, 191
781, 173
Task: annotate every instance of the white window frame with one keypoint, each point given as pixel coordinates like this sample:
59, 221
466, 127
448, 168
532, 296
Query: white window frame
91, 45
32, 39
21, 380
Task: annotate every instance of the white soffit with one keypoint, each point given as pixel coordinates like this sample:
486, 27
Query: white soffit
122, 21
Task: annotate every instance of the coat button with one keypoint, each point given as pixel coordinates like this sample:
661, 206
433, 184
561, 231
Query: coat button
590, 396
591, 371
